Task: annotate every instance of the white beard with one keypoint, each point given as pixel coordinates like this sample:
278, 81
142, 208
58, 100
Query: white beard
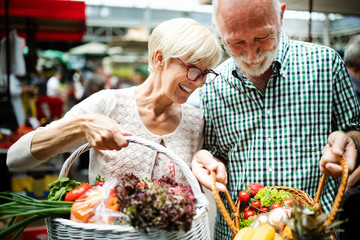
266, 58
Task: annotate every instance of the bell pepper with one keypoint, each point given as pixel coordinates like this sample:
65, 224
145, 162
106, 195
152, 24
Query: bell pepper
81, 212
77, 192
112, 203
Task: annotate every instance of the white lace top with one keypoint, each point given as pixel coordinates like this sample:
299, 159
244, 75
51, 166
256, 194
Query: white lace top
121, 105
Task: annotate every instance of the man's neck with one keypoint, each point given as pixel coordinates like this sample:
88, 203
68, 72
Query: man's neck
261, 81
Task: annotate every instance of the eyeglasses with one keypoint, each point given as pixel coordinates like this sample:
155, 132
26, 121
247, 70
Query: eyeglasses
193, 73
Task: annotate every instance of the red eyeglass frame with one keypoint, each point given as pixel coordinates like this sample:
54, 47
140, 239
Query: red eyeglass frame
206, 71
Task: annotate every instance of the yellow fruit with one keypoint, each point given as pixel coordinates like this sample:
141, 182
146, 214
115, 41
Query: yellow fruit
265, 232
287, 232
245, 233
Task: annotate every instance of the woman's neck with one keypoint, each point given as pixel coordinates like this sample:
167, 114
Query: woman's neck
160, 115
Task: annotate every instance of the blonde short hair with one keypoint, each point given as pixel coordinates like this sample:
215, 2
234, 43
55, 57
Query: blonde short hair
186, 39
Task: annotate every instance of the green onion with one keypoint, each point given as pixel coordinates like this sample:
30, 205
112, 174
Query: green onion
19, 225
20, 205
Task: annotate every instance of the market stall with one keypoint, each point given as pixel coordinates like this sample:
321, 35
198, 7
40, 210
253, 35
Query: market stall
53, 20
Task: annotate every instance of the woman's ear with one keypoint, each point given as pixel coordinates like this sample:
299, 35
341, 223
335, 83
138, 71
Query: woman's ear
158, 59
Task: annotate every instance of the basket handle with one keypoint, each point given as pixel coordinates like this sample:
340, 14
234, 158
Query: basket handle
235, 228
194, 184
340, 193
222, 208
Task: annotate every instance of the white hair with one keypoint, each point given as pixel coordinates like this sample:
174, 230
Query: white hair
276, 5
187, 39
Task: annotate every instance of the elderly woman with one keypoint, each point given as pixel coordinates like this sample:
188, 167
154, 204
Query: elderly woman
181, 53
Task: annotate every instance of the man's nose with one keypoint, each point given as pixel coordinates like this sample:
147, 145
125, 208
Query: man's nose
252, 52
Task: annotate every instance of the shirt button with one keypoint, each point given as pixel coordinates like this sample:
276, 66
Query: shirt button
268, 112
270, 169
269, 140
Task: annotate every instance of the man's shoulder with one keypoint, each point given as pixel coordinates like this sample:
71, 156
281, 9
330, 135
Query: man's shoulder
311, 47
225, 66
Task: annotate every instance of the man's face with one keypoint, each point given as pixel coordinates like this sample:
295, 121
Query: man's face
251, 34
259, 66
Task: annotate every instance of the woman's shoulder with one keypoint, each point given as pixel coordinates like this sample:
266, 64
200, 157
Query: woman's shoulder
109, 94
188, 108
192, 115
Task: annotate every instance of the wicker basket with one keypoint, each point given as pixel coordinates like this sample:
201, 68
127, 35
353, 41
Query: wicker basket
302, 197
60, 228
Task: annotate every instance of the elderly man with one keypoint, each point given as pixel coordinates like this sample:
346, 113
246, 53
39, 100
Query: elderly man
281, 112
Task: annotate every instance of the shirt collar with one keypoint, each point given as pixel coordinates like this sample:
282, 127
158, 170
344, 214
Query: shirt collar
280, 60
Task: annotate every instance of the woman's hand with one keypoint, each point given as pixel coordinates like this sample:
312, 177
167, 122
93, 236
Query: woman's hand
202, 164
103, 133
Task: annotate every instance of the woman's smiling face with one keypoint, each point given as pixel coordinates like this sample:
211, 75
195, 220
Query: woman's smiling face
175, 85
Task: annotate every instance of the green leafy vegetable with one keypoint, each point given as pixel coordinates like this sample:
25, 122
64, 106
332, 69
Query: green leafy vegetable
245, 222
60, 187
268, 196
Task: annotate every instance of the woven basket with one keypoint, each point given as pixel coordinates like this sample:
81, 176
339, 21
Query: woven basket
302, 197
60, 228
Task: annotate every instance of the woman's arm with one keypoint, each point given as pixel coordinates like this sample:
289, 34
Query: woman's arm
101, 132
48, 142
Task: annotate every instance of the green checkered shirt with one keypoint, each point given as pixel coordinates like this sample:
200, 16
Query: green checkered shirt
277, 138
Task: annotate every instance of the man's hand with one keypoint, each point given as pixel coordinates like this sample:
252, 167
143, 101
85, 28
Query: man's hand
202, 164
339, 143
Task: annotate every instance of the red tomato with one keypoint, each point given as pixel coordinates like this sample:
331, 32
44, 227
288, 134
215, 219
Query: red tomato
249, 213
254, 188
255, 205
77, 192
263, 209
288, 202
99, 183
247, 208
275, 205
244, 196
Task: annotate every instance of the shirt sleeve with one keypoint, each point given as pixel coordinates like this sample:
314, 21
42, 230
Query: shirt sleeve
346, 111
19, 155
210, 138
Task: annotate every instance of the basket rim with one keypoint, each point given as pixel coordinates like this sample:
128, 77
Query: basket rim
200, 212
298, 194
